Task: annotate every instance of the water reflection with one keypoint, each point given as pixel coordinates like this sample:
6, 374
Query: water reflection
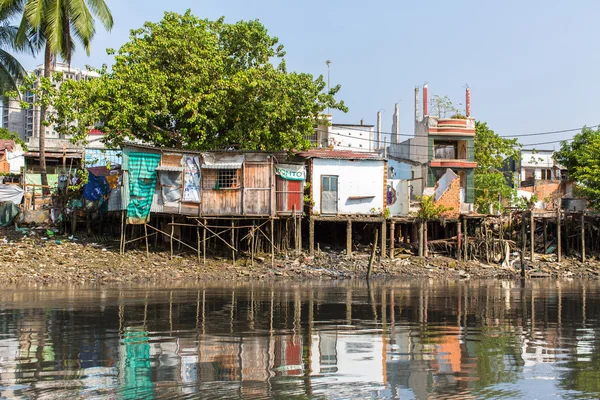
416, 339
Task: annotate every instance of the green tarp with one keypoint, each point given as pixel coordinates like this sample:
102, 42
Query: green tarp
142, 182
8, 213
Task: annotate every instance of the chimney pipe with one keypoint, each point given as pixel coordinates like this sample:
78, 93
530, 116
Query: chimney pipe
416, 108
378, 130
468, 102
425, 100
396, 138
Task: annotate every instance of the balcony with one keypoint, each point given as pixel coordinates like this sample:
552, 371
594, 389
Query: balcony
451, 154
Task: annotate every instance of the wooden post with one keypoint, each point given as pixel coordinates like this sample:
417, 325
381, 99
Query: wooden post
123, 226
147, 248
252, 245
300, 233
558, 236
425, 245
582, 236
383, 238
311, 236
372, 258
172, 231
458, 240
421, 239
523, 243
545, 221
272, 243
198, 243
349, 237
204, 242
392, 238
233, 241
465, 240
532, 235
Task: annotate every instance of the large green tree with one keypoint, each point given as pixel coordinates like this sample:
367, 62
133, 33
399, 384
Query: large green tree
56, 26
581, 157
491, 186
11, 71
192, 83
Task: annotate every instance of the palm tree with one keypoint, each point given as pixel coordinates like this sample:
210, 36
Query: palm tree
56, 24
11, 70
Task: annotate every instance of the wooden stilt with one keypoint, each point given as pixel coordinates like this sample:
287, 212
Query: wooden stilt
122, 245
311, 236
204, 242
300, 233
272, 243
372, 258
458, 240
349, 237
421, 238
252, 245
465, 233
198, 242
523, 244
558, 236
172, 231
147, 248
233, 241
392, 238
582, 237
532, 235
545, 223
425, 244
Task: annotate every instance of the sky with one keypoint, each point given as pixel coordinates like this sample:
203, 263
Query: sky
531, 65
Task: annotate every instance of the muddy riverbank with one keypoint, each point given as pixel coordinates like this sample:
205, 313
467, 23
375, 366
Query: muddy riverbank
55, 259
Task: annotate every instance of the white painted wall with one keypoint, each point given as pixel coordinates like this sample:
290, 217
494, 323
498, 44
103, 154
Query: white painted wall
537, 159
16, 159
354, 138
355, 178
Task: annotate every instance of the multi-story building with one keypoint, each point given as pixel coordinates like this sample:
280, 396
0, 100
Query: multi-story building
440, 157
26, 122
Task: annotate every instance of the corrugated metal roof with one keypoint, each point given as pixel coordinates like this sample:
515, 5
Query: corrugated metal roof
340, 154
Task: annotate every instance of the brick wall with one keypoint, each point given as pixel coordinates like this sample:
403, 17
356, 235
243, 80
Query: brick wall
545, 192
451, 199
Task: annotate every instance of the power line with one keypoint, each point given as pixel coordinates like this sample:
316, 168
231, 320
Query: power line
502, 136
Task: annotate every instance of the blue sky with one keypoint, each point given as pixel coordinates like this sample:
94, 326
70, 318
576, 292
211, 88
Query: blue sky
531, 65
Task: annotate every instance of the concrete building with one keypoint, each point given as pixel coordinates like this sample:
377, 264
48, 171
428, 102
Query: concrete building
346, 182
354, 137
439, 145
26, 122
539, 165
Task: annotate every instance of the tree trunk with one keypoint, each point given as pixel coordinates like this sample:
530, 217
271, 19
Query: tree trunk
42, 132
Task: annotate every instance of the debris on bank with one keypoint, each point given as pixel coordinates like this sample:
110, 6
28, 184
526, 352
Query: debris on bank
44, 256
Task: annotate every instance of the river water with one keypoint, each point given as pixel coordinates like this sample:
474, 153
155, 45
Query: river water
339, 340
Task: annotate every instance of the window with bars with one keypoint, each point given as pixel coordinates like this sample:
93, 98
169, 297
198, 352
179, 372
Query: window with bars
216, 179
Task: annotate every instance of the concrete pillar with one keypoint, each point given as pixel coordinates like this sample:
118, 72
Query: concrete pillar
383, 239
349, 237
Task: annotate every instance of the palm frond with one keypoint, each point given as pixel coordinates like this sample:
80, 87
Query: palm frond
102, 12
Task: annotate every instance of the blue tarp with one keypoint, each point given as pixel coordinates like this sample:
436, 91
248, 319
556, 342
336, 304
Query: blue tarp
96, 188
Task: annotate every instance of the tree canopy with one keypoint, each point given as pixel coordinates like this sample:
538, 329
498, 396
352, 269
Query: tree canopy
581, 157
192, 83
491, 151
